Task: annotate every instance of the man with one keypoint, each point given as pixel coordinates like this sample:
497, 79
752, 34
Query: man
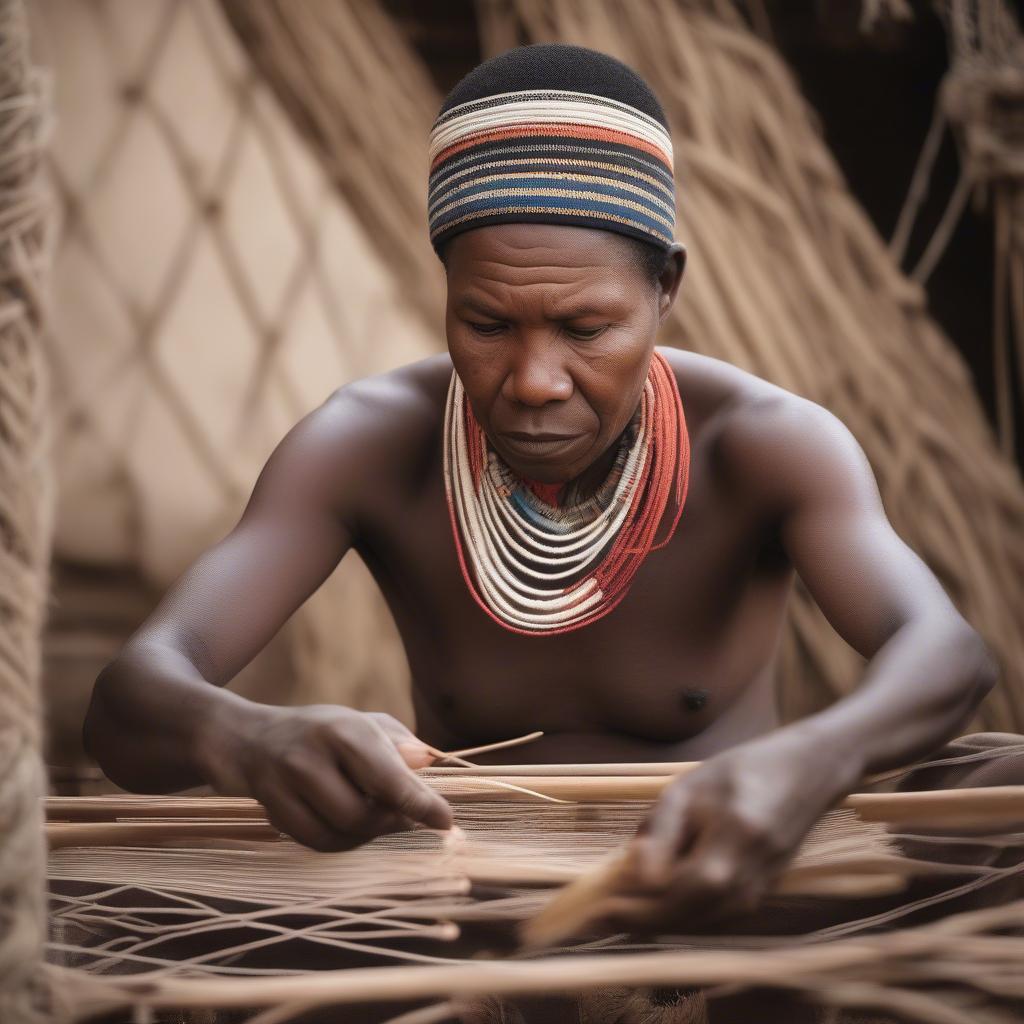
576, 532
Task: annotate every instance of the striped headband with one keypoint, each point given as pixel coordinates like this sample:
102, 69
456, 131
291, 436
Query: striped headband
551, 156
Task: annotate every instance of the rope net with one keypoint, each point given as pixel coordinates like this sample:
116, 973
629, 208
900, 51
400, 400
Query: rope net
979, 101
162, 902
210, 289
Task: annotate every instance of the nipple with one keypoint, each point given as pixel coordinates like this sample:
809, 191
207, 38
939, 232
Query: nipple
695, 700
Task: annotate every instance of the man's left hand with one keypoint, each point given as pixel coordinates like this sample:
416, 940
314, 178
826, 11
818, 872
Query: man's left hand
718, 837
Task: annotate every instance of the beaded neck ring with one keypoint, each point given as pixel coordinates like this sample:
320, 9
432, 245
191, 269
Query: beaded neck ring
541, 569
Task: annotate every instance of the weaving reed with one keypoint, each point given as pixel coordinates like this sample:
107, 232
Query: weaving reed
173, 892
979, 100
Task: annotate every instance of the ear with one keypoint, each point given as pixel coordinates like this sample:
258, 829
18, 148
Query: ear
670, 279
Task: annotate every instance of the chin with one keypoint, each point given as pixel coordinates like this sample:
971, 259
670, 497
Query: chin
545, 471
545, 474
536, 474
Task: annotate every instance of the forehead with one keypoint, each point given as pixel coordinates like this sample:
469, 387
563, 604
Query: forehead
536, 246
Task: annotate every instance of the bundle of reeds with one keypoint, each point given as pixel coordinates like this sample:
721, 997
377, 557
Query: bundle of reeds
159, 893
26, 510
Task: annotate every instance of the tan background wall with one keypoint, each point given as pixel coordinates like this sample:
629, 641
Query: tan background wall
209, 290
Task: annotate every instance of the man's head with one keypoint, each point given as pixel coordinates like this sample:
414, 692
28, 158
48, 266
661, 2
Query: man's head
552, 208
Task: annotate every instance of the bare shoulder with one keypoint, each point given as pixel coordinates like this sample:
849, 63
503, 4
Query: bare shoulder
787, 454
391, 418
772, 448
365, 445
398, 402
712, 389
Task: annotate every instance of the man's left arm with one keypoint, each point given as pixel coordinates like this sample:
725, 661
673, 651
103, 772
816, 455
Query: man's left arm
718, 836
928, 668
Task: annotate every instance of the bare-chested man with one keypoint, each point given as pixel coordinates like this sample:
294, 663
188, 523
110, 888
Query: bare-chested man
551, 207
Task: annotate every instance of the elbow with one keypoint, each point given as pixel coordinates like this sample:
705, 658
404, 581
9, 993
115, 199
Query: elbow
988, 673
98, 727
981, 667
93, 726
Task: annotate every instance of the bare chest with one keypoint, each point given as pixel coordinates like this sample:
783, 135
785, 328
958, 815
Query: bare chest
681, 655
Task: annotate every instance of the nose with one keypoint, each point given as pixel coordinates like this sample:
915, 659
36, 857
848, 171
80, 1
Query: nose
537, 375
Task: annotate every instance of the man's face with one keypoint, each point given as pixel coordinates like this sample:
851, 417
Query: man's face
551, 330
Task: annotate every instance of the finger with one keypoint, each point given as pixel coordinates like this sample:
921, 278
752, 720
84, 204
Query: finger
414, 753
375, 766
666, 832
633, 914
380, 821
335, 801
710, 882
288, 813
324, 788
373, 822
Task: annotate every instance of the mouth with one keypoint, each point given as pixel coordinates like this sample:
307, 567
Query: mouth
540, 446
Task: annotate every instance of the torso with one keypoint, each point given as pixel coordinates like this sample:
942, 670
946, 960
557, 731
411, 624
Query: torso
683, 667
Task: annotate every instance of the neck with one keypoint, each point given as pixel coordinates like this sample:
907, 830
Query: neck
587, 483
583, 486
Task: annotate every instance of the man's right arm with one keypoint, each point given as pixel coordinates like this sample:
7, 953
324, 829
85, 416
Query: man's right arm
327, 775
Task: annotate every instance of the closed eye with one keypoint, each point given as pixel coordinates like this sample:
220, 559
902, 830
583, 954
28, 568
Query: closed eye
585, 333
486, 330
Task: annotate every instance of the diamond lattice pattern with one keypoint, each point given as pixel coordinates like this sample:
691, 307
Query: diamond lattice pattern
210, 289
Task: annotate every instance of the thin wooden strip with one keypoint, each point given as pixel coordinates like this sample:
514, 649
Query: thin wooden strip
966, 807
979, 805
578, 904
499, 870
492, 781
109, 808
488, 748
149, 833
574, 911
625, 769
581, 789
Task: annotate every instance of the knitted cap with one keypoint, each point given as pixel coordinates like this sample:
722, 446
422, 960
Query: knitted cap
552, 134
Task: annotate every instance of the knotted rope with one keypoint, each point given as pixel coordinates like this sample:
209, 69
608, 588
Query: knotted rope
25, 513
981, 99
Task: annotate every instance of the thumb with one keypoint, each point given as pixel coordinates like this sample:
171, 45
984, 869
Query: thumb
414, 752
661, 837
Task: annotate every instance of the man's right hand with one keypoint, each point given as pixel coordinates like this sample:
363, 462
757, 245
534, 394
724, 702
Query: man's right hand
330, 777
